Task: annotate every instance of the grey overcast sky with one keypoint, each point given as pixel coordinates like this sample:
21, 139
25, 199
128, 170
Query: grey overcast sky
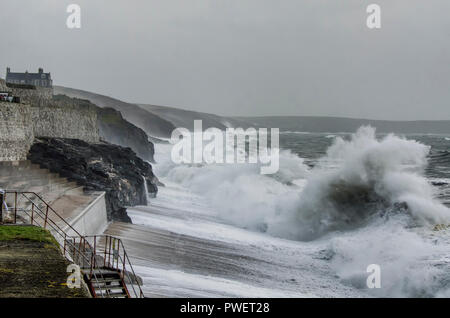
242, 57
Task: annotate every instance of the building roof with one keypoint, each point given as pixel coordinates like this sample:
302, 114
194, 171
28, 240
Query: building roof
28, 76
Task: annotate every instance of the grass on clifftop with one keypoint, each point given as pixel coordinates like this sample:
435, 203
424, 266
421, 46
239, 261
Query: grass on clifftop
31, 233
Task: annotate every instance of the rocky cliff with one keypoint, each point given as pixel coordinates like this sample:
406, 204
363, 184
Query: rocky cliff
112, 127
152, 124
100, 167
115, 129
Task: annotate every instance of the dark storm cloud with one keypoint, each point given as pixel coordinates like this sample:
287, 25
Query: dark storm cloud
243, 57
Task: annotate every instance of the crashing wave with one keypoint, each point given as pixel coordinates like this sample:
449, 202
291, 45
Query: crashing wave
371, 177
366, 200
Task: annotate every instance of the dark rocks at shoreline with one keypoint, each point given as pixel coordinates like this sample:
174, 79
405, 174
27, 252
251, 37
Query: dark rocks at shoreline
99, 167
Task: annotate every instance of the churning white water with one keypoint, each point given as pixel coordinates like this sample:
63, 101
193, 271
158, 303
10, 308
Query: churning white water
305, 231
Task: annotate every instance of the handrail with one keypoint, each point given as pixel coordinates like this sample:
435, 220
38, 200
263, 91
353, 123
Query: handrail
57, 230
78, 253
122, 259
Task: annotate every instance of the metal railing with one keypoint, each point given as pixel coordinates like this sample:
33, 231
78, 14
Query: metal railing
88, 252
110, 253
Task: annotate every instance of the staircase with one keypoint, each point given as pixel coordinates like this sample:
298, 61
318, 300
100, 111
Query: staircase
111, 284
65, 196
102, 259
106, 266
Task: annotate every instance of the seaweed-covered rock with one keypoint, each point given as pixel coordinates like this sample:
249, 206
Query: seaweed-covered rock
99, 167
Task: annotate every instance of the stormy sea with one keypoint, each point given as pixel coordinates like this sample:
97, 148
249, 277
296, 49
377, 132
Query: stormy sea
338, 203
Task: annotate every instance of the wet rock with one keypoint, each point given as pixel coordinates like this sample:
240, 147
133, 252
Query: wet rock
99, 167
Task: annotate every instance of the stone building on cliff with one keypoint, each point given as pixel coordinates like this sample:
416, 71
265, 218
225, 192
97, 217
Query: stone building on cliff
39, 79
38, 114
32, 88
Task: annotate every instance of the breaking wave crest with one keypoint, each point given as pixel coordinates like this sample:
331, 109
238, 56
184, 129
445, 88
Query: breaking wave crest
370, 178
367, 201
356, 181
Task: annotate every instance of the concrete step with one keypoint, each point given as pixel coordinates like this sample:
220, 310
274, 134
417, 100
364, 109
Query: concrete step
110, 280
34, 180
66, 197
116, 295
66, 204
13, 171
38, 185
48, 192
106, 272
102, 282
24, 163
106, 287
28, 173
55, 190
72, 203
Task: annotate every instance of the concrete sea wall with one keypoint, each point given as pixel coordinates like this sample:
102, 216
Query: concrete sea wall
92, 220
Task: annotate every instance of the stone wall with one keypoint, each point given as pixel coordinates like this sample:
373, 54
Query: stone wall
21, 123
3, 86
65, 121
16, 131
37, 95
28, 94
93, 219
113, 128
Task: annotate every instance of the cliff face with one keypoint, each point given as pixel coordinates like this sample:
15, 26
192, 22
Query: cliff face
112, 127
153, 125
100, 167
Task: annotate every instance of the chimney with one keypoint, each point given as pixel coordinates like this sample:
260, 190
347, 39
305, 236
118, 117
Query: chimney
8, 70
41, 70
